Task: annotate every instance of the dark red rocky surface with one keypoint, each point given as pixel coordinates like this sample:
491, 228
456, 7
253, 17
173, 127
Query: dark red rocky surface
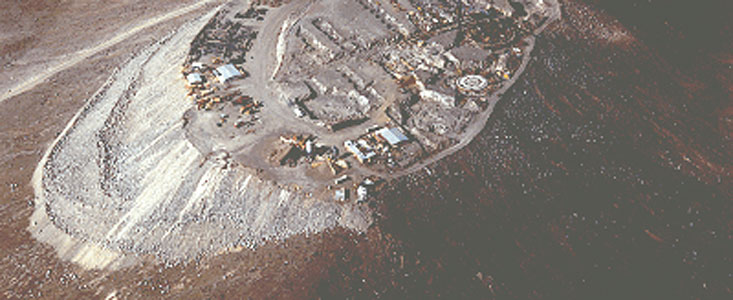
603, 174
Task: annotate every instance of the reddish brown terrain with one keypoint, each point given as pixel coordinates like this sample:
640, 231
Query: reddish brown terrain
603, 173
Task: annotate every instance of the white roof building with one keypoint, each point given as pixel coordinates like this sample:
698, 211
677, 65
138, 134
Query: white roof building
194, 78
226, 72
361, 193
351, 147
198, 65
430, 95
393, 136
341, 194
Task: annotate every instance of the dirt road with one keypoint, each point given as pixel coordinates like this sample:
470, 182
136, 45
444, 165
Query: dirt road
28, 83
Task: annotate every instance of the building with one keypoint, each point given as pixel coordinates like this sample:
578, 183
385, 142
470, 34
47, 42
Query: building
430, 95
198, 66
361, 193
358, 153
341, 194
226, 73
194, 79
393, 136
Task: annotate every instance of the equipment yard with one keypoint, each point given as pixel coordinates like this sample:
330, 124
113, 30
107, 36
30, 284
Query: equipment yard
348, 79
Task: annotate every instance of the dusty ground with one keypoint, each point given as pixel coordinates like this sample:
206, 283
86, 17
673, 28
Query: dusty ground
582, 188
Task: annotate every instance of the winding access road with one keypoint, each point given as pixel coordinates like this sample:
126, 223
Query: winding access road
31, 82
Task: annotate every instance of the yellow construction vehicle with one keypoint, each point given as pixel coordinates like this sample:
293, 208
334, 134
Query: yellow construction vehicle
330, 166
329, 162
205, 93
341, 164
404, 62
247, 108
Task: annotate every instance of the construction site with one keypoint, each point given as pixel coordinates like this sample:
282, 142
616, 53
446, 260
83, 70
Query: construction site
308, 92
260, 121
354, 149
